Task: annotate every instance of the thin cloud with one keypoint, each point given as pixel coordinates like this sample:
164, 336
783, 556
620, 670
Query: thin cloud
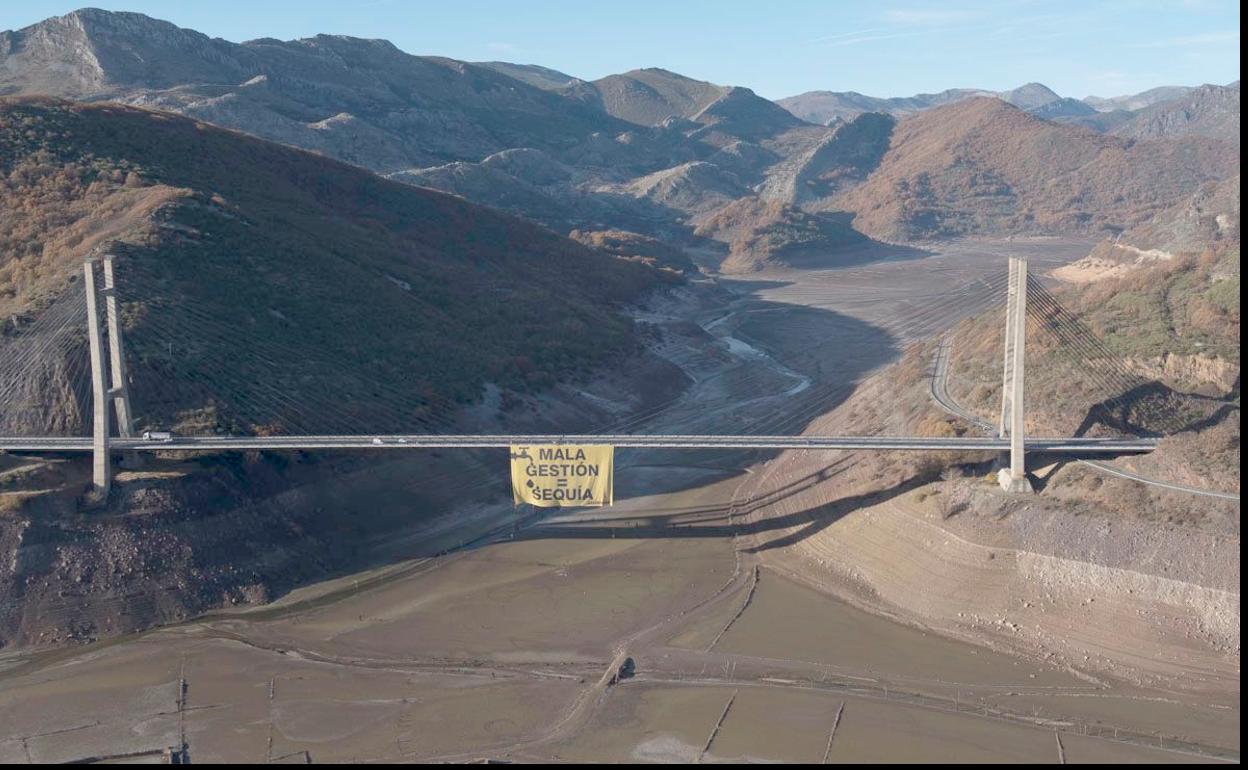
929, 16
1209, 38
870, 38
841, 36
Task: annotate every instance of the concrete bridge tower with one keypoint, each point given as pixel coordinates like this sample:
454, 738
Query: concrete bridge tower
101, 475
1011, 424
120, 390
101, 393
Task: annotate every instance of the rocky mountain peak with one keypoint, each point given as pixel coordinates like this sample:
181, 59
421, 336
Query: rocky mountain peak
92, 51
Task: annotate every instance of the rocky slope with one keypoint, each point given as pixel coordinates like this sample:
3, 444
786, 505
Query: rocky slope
1159, 353
363, 101
760, 233
1210, 111
541, 77
692, 188
1205, 222
649, 97
1132, 102
528, 191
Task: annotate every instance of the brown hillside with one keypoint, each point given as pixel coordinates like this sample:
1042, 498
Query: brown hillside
636, 246
350, 279
1205, 222
761, 233
984, 166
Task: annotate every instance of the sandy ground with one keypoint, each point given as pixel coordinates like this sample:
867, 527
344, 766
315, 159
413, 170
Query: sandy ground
771, 615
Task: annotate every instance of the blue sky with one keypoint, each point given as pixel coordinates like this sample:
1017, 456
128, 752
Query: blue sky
776, 47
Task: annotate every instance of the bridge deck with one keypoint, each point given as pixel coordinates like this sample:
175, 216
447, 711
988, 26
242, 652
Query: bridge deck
425, 441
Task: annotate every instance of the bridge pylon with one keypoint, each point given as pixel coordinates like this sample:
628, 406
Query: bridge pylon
111, 389
101, 473
120, 390
1012, 424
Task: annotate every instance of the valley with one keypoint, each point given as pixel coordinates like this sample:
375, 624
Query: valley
505, 635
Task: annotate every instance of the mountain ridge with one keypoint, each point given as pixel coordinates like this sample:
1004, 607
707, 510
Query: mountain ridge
1209, 110
829, 106
293, 90
982, 165
648, 153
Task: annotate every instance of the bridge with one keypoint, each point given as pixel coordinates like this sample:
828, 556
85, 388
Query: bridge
425, 441
110, 408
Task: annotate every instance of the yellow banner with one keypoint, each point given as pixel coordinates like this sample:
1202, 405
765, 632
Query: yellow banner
555, 475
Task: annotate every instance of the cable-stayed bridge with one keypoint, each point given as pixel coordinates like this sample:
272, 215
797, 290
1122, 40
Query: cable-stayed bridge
68, 367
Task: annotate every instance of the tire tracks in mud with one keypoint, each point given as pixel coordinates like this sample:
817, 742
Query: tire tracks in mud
749, 597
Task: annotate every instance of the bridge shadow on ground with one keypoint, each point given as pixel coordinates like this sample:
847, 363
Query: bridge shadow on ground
1153, 409
725, 521
1149, 410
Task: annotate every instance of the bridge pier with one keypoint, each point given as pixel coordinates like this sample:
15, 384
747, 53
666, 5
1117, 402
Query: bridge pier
101, 475
1014, 477
120, 390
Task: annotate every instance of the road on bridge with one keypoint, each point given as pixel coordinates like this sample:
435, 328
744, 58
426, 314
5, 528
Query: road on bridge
425, 441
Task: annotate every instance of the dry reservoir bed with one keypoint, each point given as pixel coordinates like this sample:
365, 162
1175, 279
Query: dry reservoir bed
506, 649
501, 652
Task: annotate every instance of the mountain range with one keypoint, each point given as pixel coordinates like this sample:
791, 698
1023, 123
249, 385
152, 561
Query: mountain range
829, 106
656, 154
1208, 110
1102, 114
